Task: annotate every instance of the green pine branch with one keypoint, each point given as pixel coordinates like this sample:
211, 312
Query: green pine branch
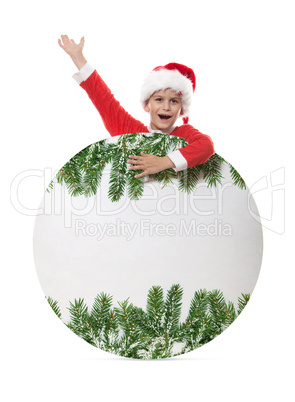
155, 307
236, 178
100, 312
134, 185
130, 331
82, 174
118, 178
71, 175
217, 308
173, 309
189, 178
111, 333
54, 305
242, 302
93, 167
212, 171
165, 176
80, 322
199, 305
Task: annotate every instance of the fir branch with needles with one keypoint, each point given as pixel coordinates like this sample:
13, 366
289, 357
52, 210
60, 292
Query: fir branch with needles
83, 173
154, 333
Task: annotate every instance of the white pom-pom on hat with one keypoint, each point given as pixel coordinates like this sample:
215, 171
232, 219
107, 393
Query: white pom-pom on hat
177, 77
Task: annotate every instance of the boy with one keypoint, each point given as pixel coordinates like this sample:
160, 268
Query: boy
166, 95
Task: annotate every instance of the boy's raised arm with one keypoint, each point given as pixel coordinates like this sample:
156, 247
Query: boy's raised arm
74, 50
115, 118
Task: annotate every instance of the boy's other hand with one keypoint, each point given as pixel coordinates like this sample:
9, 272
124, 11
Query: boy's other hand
69, 45
150, 164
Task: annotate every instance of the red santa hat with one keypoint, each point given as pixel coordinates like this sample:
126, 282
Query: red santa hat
177, 77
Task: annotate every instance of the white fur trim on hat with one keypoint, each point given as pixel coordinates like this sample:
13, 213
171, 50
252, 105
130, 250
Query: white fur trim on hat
163, 79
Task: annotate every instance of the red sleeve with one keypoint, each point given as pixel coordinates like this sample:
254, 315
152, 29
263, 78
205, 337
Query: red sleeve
115, 118
200, 146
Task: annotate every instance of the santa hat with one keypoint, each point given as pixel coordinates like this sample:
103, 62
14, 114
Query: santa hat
177, 77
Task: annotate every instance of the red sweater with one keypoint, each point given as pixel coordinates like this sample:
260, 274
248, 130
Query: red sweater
117, 121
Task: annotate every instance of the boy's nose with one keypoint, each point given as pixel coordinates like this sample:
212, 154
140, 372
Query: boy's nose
166, 105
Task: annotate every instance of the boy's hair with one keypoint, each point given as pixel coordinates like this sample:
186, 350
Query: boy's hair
177, 77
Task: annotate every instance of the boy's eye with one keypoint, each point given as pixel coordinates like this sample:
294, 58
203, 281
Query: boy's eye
158, 99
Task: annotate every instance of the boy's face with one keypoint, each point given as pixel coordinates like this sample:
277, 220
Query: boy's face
164, 108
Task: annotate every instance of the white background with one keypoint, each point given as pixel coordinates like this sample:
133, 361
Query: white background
243, 56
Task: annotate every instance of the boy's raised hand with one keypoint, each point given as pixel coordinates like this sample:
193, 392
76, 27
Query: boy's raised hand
74, 50
70, 47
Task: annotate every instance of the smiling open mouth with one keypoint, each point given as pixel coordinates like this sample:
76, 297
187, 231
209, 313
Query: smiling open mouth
164, 116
